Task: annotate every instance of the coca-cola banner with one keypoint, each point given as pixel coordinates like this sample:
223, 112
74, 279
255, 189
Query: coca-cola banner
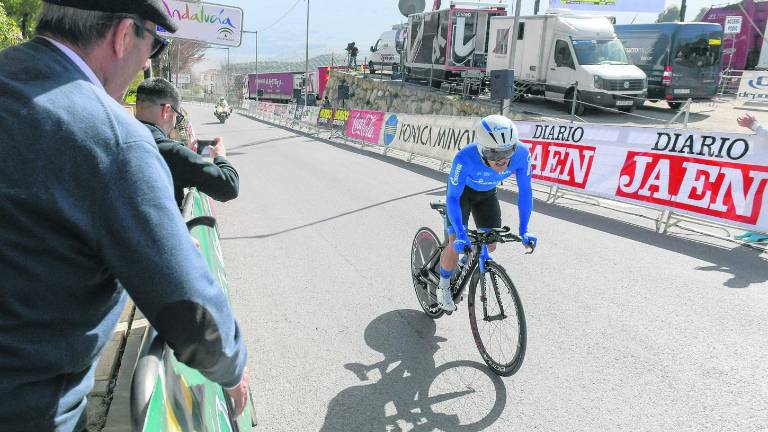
365, 125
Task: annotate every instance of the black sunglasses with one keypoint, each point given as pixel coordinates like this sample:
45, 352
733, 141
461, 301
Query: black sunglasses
158, 43
179, 116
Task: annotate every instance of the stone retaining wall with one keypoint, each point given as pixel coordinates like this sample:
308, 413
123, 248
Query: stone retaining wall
381, 94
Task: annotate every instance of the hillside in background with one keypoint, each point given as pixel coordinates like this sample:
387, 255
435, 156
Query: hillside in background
291, 66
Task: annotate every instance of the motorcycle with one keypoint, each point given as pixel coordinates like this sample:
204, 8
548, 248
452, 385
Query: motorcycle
222, 113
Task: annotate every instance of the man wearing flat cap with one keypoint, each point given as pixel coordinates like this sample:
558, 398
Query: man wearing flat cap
86, 201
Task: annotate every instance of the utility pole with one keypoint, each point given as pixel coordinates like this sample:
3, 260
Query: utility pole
257, 62
682, 11
306, 62
512, 50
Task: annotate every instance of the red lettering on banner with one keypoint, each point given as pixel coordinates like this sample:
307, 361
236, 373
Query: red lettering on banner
565, 164
721, 189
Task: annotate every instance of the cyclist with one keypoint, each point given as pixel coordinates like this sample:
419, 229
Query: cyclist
222, 103
476, 171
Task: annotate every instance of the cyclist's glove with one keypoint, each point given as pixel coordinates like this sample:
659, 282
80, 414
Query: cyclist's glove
529, 239
461, 243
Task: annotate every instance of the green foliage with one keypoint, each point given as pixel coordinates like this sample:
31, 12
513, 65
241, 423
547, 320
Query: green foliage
10, 34
24, 13
130, 95
670, 14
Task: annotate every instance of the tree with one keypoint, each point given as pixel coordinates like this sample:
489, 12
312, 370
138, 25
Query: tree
24, 13
181, 55
701, 14
670, 14
9, 31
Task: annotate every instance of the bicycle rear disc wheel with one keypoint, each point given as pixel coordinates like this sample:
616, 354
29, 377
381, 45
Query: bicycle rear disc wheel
425, 243
498, 323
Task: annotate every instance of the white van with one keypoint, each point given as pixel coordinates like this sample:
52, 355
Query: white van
385, 54
561, 54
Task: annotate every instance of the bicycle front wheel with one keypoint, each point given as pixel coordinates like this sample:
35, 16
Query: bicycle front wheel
425, 244
497, 320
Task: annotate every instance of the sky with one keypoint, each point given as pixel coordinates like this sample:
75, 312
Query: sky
334, 23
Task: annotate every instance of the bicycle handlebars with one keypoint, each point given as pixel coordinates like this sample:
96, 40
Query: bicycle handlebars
496, 235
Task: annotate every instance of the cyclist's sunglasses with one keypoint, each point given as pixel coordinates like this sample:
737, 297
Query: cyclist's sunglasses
498, 154
158, 43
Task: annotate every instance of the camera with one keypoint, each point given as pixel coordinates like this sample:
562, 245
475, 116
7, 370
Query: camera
202, 144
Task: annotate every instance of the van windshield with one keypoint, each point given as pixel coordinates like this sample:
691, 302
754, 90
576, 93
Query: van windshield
595, 52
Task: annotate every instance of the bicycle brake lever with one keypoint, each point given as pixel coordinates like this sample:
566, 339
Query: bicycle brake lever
529, 248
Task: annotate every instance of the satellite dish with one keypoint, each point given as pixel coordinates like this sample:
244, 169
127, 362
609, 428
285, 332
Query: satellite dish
410, 7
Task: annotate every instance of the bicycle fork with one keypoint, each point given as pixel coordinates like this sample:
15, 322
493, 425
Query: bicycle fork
485, 256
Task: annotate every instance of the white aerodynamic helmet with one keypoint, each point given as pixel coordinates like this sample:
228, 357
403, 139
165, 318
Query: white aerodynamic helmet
496, 137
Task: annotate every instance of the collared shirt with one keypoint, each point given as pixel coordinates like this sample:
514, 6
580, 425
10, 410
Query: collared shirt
75, 57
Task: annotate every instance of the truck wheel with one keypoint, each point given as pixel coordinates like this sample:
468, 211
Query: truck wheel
580, 107
371, 70
674, 105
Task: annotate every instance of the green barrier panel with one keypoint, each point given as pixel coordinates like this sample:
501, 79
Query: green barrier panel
182, 399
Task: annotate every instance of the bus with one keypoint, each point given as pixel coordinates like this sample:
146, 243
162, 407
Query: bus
682, 60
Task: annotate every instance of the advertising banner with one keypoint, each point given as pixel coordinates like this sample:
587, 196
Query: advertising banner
713, 176
273, 85
204, 22
309, 115
340, 117
753, 86
365, 125
438, 137
325, 117
646, 6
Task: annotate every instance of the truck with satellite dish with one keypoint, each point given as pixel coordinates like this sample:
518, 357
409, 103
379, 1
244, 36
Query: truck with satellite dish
444, 45
562, 55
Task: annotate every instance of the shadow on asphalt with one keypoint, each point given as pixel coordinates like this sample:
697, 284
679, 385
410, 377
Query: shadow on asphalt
408, 389
742, 263
263, 236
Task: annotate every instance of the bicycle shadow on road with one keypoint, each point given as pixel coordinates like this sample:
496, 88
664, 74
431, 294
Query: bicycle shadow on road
407, 392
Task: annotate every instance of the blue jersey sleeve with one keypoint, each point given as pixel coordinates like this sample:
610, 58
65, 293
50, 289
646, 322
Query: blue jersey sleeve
457, 180
525, 191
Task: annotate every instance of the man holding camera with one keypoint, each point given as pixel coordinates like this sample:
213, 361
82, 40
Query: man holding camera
157, 102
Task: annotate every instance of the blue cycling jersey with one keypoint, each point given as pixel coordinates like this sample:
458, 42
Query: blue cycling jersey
469, 170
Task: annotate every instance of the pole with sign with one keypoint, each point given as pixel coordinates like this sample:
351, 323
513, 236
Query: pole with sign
211, 23
732, 28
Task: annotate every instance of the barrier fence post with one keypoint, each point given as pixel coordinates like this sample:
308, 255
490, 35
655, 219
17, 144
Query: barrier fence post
574, 97
687, 112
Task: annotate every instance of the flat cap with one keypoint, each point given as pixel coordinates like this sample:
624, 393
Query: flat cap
152, 10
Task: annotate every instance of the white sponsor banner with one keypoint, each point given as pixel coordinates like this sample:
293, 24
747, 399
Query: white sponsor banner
753, 86
309, 115
437, 137
204, 22
708, 175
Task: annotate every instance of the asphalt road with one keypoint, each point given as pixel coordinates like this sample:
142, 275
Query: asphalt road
627, 329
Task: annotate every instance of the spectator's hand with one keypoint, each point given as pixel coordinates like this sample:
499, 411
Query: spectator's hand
218, 149
745, 121
192, 138
239, 395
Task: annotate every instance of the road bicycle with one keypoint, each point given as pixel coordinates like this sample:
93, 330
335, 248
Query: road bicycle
495, 312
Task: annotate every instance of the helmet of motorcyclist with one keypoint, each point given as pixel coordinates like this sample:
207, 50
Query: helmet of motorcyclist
496, 137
